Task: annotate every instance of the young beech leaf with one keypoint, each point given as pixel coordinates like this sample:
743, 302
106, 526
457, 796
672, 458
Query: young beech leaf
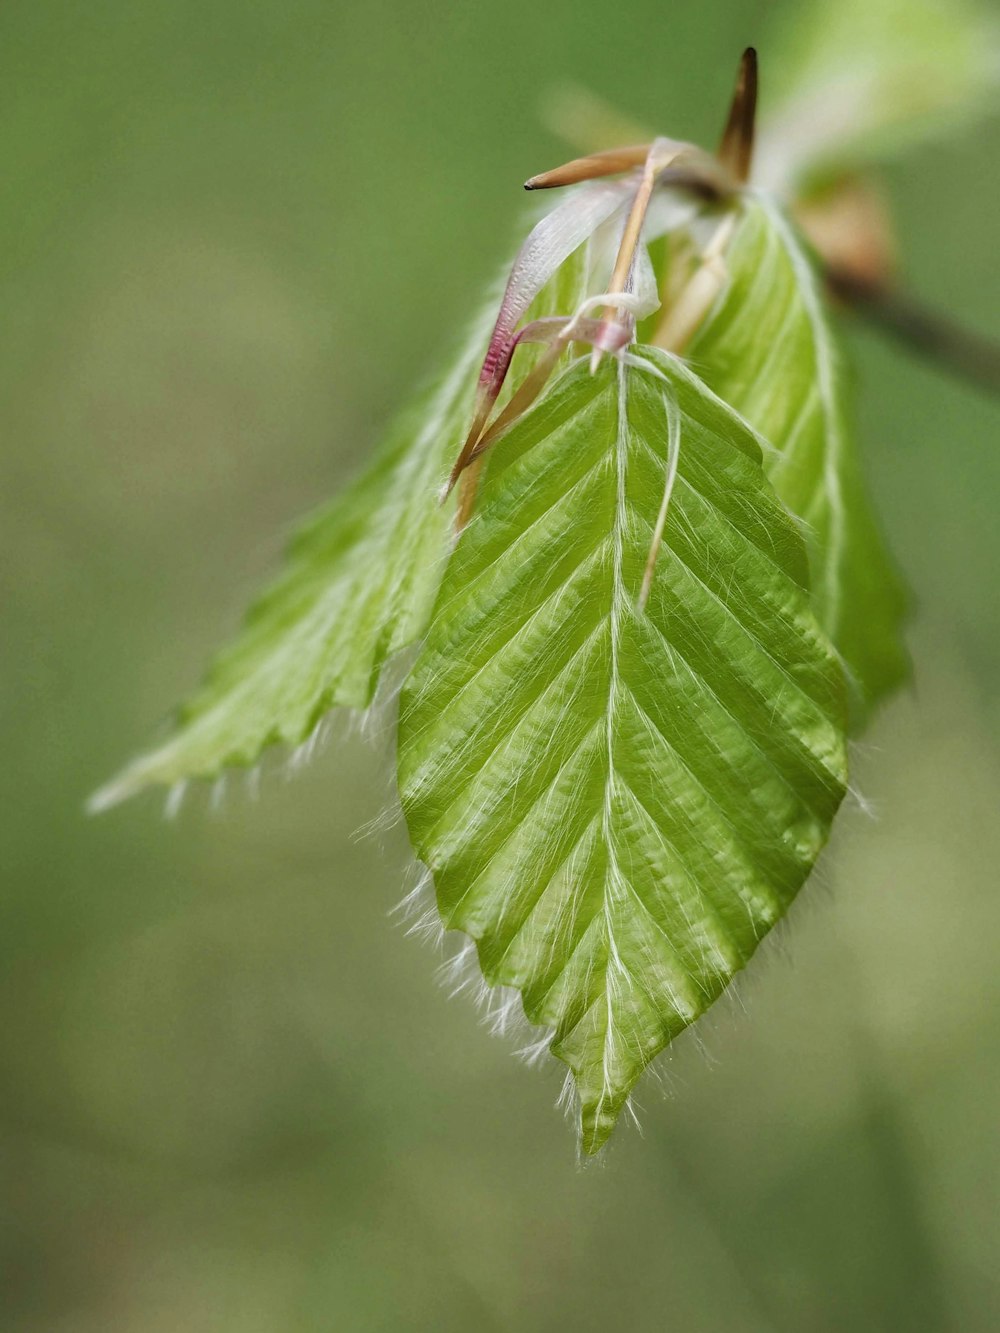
768, 349
618, 803
360, 578
359, 581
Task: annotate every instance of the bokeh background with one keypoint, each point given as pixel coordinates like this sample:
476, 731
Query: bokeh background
233, 1097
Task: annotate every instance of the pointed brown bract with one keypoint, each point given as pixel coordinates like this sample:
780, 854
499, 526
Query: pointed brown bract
592, 167
736, 146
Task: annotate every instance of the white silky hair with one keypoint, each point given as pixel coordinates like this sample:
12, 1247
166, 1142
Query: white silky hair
501, 1007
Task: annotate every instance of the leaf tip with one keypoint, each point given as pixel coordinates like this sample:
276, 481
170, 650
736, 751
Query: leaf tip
113, 793
597, 1124
736, 148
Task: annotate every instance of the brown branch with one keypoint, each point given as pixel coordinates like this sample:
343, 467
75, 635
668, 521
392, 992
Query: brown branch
969, 355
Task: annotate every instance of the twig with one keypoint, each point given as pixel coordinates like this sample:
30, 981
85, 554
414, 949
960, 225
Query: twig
969, 355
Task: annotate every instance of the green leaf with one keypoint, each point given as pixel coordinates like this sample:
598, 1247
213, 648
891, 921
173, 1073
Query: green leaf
617, 804
358, 586
856, 81
768, 350
360, 578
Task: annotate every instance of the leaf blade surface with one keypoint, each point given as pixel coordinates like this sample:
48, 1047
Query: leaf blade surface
358, 584
769, 349
617, 804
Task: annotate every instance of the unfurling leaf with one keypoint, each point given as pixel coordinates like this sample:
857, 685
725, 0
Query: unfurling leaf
768, 350
618, 803
359, 581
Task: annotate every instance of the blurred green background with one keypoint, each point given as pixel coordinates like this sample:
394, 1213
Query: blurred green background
232, 1095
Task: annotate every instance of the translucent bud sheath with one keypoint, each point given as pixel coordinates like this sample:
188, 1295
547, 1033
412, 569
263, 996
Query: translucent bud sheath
549, 244
554, 238
663, 155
